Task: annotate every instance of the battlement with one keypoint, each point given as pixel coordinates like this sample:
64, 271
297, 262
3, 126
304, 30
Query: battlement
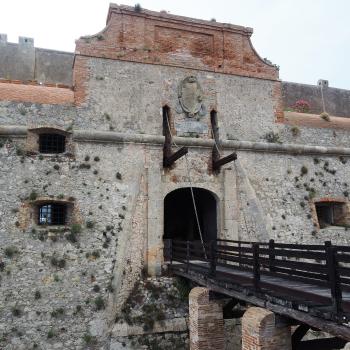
22, 61
22, 40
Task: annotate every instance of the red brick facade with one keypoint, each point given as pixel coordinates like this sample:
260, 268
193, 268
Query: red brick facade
160, 38
278, 102
206, 321
80, 78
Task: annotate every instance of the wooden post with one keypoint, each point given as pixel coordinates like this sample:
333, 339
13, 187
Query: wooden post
239, 253
170, 258
256, 266
167, 250
217, 164
333, 277
187, 255
213, 258
271, 255
170, 158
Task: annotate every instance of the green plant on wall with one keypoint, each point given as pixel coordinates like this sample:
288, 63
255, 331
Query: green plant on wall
272, 137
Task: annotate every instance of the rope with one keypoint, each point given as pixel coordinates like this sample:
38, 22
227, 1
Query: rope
191, 187
213, 135
215, 143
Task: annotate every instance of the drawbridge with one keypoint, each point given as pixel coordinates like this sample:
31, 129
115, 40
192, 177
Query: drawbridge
307, 285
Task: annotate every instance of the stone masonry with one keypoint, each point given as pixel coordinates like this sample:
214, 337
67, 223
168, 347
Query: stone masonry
64, 286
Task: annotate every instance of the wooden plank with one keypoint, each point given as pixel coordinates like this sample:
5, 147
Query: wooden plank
312, 276
299, 265
300, 246
298, 335
169, 160
343, 257
296, 254
217, 164
321, 344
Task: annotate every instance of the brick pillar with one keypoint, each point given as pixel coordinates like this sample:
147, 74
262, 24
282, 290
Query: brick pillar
206, 321
260, 332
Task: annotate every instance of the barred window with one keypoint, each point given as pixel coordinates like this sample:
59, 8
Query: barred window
52, 214
52, 143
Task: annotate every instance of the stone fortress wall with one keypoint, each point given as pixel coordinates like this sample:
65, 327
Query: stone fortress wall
63, 288
24, 62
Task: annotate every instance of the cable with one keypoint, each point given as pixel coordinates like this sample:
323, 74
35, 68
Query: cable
191, 187
215, 143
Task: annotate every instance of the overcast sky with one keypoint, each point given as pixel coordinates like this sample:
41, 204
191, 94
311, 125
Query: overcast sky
308, 39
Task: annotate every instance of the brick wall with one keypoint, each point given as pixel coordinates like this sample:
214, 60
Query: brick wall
80, 79
160, 38
206, 321
277, 99
260, 332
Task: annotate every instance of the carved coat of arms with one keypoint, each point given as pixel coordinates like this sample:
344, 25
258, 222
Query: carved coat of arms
190, 96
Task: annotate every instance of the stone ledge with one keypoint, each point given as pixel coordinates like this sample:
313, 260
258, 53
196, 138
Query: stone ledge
35, 83
173, 325
315, 121
115, 137
36, 94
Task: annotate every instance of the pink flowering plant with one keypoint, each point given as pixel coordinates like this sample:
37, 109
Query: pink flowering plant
301, 106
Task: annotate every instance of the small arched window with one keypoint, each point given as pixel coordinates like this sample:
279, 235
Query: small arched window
52, 143
52, 214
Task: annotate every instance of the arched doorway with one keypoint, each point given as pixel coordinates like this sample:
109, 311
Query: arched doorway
179, 215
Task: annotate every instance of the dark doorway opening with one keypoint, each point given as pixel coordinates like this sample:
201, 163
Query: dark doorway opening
179, 215
331, 214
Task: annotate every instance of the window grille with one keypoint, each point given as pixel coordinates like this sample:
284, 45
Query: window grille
52, 143
52, 214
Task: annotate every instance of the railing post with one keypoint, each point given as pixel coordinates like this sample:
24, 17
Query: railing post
271, 255
187, 255
333, 277
170, 251
212, 258
239, 253
256, 266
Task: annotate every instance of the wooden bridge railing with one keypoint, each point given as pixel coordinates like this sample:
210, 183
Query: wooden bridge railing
324, 265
